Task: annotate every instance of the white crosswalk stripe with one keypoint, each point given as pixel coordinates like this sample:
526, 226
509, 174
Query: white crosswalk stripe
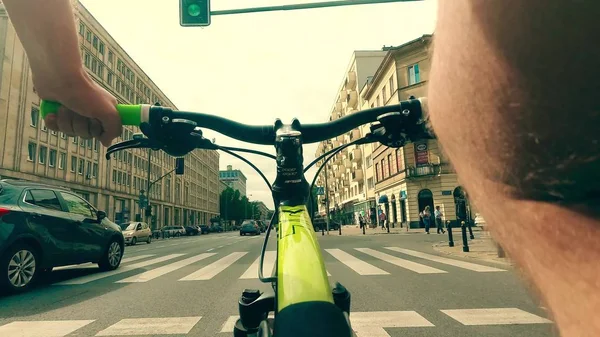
97, 276
268, 266
445, 260
154, 273
214, 268
416, 267
365, 324
494, 316
354, 263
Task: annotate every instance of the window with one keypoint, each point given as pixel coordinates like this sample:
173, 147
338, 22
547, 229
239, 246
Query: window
370, 183
44, 128
385, 169
96, 142
88, 36
94, 66
35, 116
81, 28
77, 205
89, 168
369, 161
87, 59
119, 177
384, 94
31, 147
377, 176
399, 160
109, 79
63, 135
74, 140
101, 48
390, 164
414, 75
114, 176
392, 88
42, 154
73, 163
80, 166
378, 101
100, 71
89, 143
95, 170
52, 158
110, 57
43, 198
62, 157
129, 180
95, 42
82, 142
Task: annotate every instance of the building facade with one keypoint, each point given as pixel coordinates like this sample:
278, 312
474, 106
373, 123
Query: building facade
264, 210
28, 150
234, 179
345, 171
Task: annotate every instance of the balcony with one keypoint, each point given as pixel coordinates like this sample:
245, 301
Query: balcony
356, 155
357, 175
352, 99
350, 80
347, 163
354, 134
343, 96
429, 170
337, 173
338, 107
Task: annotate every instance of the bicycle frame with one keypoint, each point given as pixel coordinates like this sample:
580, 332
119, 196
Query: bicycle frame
301, 273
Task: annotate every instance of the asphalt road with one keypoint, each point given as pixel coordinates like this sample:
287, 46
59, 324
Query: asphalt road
190, 286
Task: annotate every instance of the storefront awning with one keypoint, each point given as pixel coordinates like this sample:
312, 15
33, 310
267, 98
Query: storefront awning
383, 199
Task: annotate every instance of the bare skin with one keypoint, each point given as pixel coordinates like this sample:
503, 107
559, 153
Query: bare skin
515, 84
47, 31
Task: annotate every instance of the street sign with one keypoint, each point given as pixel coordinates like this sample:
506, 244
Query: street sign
320, 190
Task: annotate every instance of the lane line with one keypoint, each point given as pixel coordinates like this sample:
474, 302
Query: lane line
494, 316
359, 266
157, 272
456, 263
42, 328
97, 276
151, 326
214, 268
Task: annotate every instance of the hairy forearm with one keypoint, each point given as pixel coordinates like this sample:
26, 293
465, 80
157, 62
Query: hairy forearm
48, 34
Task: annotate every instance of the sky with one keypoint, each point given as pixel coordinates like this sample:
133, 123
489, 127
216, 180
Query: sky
257, 67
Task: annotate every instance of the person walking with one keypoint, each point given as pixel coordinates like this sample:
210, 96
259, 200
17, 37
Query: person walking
426, 216
438, 220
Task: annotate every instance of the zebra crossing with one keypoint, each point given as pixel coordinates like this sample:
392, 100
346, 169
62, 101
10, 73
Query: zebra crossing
364, 324
151, 267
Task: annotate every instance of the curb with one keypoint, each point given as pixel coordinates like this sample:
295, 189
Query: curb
436, 247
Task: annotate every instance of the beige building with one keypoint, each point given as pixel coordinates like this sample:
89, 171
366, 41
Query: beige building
234, 179
346, 170
417, 175
28, 150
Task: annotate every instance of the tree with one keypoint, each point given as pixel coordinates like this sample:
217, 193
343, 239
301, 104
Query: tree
236, 207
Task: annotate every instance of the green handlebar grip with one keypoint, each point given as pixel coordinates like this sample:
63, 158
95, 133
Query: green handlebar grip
130, 114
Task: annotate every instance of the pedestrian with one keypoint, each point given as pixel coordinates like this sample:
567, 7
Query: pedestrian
382, 219
438, 220
426, 216
362, 221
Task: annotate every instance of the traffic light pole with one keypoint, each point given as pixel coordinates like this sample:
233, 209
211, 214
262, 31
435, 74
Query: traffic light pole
148, 207
326, 199
304, 6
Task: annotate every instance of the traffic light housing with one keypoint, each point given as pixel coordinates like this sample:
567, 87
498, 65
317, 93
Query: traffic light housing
179, 166
194, 13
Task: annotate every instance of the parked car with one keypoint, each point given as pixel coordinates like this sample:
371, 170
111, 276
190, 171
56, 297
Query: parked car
204, 229
174, 230
43, 226
135, 232
249, 227
261, 225
192, 230
216, 228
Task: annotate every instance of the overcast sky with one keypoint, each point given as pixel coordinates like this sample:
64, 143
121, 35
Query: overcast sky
257, 67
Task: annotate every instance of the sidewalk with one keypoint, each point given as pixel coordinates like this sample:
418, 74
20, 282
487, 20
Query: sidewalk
481, 248
353, 230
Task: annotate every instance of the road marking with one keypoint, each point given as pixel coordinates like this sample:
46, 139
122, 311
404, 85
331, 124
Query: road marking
416, 267
214, 268
151, 326
494, 316
97, 276
135, 258
372, 323
230, 323
42, 328
268, 266
154, 273
359, 266
208, 250
95, 265
444, 260
220, 246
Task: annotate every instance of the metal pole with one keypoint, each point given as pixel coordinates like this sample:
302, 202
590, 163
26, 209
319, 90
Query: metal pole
326, 199
148, 207
304, 6
450, 238
464, 237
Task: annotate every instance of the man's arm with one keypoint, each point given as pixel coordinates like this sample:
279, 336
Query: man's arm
47, 31
520, 80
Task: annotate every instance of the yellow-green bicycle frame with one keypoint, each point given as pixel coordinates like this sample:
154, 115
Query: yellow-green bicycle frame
301, 273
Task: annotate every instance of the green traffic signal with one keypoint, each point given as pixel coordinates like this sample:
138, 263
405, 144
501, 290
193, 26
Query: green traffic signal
194, 10
194, 13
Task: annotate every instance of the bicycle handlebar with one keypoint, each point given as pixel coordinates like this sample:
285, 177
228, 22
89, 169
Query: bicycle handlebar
256, 134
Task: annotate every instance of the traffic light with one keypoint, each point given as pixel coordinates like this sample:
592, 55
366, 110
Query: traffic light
179, 166
194, 13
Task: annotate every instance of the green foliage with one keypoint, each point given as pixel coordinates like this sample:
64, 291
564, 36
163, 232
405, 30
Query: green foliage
235, 207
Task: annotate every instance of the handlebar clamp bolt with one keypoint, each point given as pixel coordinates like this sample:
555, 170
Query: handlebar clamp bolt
406, 112
165, 119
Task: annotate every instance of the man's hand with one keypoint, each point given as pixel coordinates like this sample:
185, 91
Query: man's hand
87, 111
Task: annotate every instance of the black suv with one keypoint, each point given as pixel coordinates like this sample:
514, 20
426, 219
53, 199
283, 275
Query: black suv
43, 226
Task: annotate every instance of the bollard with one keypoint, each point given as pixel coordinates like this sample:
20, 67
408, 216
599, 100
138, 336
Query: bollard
340, 229
464, 237
323, 230
450, 238
470, 231
363, 227
388, 225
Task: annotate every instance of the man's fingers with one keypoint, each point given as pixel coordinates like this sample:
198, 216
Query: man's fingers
52, 122
81, 126
64, 118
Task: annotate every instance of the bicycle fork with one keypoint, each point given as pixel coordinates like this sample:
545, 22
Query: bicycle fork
254, 308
